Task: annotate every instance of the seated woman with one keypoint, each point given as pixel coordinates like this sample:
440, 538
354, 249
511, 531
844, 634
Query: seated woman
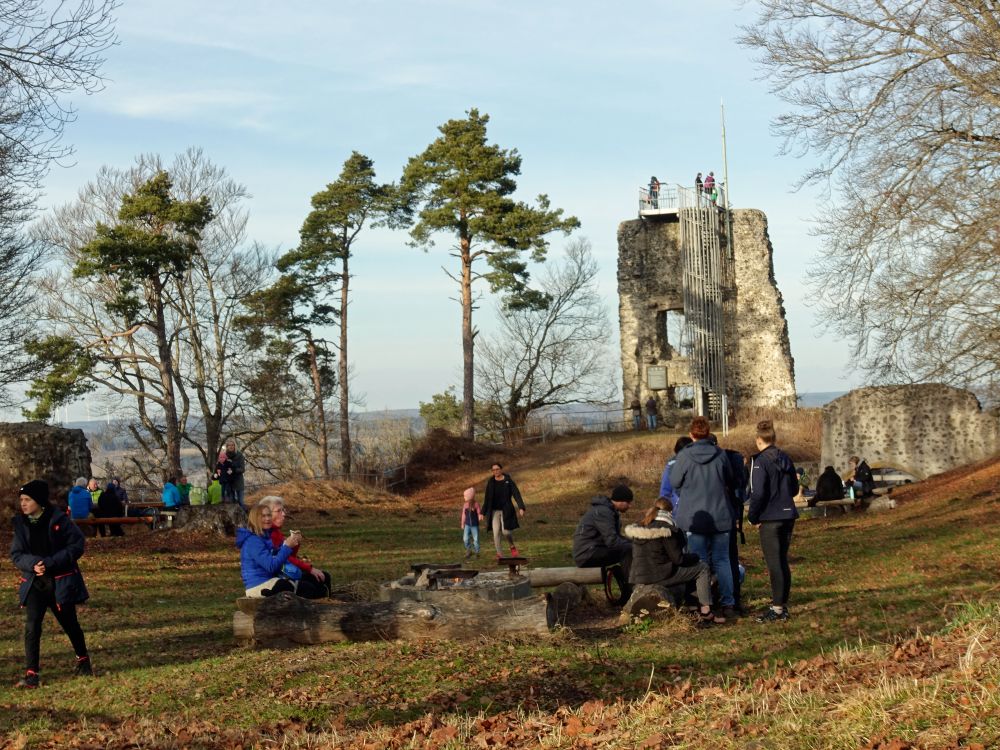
658, 558
260, 562
310, 582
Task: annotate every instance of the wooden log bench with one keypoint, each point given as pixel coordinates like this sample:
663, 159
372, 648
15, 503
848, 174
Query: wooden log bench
612, 578
285, 619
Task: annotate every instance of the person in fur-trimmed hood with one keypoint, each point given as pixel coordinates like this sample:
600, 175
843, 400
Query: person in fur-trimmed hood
659, 559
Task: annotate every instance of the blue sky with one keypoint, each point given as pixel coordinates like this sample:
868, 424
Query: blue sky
595, 96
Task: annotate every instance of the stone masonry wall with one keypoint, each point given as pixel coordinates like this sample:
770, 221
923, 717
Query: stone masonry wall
30, 450
759, 365
923, 429
763, 373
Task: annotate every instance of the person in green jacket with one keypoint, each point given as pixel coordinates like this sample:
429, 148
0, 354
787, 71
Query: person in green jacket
213, 492
184, 486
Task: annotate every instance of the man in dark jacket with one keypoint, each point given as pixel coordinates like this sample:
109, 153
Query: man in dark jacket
829, 486
45, 549
598, 540
236, 471
498, 507
773, 486
861, 477
702, 477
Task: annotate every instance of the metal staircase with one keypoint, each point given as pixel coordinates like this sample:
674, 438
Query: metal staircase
706, 268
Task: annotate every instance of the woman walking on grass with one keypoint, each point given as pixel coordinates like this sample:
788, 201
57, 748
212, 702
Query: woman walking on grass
773, 485
46, 548
498, 508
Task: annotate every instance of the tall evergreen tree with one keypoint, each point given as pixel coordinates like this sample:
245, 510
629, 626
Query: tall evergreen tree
461, 185
328, 234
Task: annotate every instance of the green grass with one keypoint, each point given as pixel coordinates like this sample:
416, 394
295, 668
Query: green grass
159, 629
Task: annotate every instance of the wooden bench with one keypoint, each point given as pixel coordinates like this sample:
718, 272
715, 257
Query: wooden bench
111, 520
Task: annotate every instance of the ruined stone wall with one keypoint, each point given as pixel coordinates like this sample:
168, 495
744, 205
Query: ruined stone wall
762, 372
30, 450
759, 365
923, 429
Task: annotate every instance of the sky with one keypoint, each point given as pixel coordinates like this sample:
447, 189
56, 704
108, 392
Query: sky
595, 96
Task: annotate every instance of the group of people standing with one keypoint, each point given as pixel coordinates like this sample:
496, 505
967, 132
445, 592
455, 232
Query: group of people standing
693, 527
708, 186
651, 408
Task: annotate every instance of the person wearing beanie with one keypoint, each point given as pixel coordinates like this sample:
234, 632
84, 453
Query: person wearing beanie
598, 541
472, 514
45, 549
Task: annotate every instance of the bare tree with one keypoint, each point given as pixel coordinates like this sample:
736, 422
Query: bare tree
47, 51
211, 365
900, 100
551, 355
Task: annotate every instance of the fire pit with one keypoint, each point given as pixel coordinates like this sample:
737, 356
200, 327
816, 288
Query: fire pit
431, 582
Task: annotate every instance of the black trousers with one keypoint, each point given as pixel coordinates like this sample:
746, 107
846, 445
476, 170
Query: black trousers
734, 562
309, 588
35, 606
775, 539
605, 558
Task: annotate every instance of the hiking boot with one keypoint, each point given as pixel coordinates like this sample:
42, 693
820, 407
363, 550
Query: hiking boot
769, 615
30, 680
513, 552
468, 554
731, 613
83, 667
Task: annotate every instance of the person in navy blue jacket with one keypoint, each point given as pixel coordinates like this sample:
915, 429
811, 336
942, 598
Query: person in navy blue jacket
773, 486
45, 549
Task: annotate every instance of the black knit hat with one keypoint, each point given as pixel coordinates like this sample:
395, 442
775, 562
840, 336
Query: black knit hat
37, 490
621, 494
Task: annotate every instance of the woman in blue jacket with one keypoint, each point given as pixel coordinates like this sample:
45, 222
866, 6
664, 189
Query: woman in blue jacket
45, 549
260, 562
773, 486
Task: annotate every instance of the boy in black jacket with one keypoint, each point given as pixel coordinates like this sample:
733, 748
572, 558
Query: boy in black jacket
45, 549
773, 486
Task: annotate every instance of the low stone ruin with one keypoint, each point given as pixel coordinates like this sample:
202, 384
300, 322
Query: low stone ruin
31, 450
922, 429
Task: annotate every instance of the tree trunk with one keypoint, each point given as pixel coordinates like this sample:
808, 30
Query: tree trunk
324, 447
285, 619
651, 600
544, 577
468, 373
166, 369
345, 424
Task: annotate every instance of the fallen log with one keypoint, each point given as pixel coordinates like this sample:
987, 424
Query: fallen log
544, 577
286, 619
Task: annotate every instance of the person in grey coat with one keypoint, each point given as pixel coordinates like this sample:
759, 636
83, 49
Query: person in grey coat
703, 479
598, 541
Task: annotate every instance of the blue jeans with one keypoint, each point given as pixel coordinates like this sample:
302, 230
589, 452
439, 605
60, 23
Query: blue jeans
636, 422
714, 550
651, 421
473, 532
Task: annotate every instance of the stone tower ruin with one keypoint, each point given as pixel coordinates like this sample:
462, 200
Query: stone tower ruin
700, 313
